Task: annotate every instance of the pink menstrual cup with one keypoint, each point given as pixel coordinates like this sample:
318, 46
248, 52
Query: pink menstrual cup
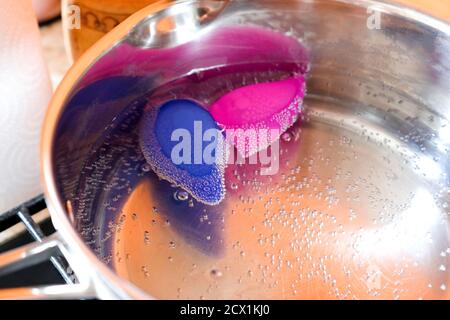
257, 115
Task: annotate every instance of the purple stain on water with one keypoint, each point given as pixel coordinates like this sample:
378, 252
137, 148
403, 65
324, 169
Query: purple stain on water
186, 217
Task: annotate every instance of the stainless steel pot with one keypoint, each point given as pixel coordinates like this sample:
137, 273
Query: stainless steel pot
361, 210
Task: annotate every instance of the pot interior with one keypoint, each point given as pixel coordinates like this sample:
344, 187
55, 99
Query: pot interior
360, 205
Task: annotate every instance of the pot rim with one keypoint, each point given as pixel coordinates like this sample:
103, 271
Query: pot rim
114, 285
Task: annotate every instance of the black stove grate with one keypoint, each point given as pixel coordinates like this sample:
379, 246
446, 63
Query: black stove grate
27, 223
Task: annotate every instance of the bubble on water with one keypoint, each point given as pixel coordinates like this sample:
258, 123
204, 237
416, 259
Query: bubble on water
442, 268
287, 137
234, 186
146, 168
145, 271
181, 195
172, 245
216, 273
134, 216
443, 287
147, 237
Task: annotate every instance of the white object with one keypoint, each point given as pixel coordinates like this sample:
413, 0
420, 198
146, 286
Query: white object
46, 9
25, 90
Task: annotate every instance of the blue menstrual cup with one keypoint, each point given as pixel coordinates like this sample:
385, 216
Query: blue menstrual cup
183, 145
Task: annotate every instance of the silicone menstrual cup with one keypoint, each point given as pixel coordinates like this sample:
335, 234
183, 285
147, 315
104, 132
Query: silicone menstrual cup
254, 111
181, 142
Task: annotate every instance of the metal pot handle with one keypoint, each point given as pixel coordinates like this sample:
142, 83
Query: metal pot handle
52, 248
